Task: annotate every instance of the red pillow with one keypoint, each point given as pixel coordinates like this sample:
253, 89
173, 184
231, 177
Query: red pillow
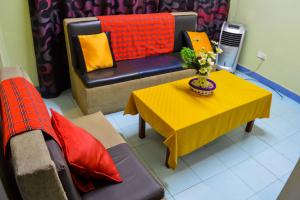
86, 156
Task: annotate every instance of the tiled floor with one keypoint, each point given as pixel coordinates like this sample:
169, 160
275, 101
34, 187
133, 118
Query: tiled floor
236, 166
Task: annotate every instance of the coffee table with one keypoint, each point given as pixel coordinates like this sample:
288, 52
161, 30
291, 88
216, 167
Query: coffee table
188, 121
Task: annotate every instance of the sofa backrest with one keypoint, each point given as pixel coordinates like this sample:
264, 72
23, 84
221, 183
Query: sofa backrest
34, 171
184, 21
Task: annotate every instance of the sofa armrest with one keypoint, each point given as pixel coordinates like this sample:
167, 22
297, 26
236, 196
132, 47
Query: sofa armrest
35, 172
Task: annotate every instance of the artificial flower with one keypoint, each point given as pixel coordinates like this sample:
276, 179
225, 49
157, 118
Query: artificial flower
210, 62
202, 61
214, 42
203, 70
203, 55
218, 50
212, 55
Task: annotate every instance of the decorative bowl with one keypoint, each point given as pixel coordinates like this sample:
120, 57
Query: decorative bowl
201, 90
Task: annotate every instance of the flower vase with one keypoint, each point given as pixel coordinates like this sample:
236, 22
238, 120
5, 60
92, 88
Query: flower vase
202, 85
202, 81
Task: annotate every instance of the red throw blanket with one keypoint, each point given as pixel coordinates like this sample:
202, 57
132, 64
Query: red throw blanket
22, 109
139, 35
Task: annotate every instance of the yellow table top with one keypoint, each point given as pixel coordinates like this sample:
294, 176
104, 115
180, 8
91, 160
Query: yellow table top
188, 120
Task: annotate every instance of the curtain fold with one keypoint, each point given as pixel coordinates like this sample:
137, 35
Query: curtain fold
47, 28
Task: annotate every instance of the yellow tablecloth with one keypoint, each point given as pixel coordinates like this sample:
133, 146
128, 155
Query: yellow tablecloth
188, 121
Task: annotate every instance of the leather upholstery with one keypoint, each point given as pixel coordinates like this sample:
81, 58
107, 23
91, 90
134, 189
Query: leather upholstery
63, 170
183, 23
137, 182
130, 69
133, 69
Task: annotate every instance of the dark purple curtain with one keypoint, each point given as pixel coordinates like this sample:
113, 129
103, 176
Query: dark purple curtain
47, 19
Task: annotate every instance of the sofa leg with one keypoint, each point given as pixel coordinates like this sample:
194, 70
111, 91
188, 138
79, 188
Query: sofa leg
142, 133
249, 126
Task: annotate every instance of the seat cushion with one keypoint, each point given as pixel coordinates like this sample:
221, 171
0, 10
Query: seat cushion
98, 126
137, 183
133, 69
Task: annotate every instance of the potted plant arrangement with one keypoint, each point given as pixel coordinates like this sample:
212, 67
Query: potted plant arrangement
202, 62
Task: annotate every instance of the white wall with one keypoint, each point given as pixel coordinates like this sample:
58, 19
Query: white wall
273, 26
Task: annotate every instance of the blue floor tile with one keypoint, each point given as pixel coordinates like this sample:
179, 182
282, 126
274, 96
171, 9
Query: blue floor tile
271, 192
289, 148
204, 163
199, 191
228, 152
229, 186
253, 174
275, 162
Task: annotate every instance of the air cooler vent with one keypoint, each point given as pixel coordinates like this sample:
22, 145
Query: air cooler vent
231, 39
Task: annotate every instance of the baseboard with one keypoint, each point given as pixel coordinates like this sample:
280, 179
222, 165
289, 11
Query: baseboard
270, 83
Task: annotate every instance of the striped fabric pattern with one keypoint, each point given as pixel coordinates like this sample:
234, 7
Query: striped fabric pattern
139, 35
22, 110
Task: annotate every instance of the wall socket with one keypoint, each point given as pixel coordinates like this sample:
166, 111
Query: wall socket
261, 55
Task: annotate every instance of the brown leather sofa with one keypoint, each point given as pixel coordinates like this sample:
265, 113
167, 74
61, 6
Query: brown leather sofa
41, 172
108, 90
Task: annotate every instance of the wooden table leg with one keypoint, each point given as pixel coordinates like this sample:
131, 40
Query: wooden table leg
167, 158
142, 133
249, 126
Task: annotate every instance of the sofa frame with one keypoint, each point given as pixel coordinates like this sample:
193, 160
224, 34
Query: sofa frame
113, 97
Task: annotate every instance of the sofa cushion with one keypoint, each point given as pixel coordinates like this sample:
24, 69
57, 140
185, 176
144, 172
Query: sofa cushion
198, 41
133, 69
93, 51
137, 182
63, 170
86, 156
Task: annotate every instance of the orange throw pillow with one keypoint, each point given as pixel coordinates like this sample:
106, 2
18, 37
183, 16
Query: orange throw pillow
96, 51
85, 155
198, 41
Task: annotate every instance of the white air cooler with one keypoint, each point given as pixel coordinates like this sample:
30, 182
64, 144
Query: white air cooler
231, 40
